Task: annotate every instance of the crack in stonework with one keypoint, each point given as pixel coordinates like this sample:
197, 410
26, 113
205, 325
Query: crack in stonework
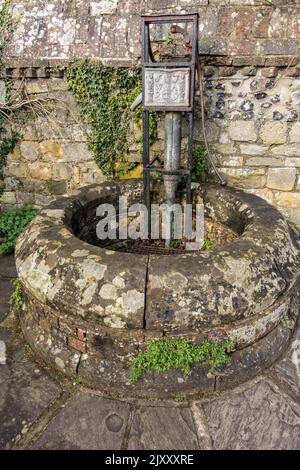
78, 363
145, 298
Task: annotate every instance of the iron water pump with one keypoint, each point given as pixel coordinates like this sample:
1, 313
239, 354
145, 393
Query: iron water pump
169, 86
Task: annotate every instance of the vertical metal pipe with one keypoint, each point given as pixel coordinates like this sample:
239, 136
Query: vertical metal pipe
172, 153
172, 158
146, 162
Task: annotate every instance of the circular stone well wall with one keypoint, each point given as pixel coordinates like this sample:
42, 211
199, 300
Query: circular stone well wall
89, 310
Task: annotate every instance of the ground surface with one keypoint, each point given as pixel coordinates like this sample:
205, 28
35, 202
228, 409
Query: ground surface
40, 410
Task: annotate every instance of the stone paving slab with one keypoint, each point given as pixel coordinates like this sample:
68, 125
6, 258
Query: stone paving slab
5, 291
88, 422
288, 369
26, 391
7, 267
259, 417
163, 428
7, 273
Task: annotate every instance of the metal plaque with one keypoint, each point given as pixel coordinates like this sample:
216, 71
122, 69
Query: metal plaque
167, 88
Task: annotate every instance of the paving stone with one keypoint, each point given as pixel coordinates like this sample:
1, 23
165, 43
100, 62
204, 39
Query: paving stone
25, 393
288, 369
5, 292
7, 273
163, 428
258, 417
7, 267
87, 422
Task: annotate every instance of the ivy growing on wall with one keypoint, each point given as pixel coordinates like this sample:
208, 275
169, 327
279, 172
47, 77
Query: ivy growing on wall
104, 95
7, 142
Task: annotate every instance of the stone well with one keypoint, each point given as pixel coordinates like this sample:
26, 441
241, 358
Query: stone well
89, 309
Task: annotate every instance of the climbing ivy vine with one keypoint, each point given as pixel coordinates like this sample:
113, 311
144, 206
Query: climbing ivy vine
104, 95
7, 142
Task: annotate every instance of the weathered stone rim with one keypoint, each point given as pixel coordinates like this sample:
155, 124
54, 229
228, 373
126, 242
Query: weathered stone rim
107, 341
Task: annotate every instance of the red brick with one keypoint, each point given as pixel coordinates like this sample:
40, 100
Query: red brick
75, 343
81, 334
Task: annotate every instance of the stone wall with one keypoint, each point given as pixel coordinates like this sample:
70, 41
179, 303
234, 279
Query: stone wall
250, 53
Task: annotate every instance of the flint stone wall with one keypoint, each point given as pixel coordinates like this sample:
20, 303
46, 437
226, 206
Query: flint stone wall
250, 53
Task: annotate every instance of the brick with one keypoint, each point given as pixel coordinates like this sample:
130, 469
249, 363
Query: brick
273, 132
261, 23
75, 343
40, 170
248, 60
253, 149
246, 177
62, 171
226, 71
19, 170
292, 162
291, 150
278, 23
244, 47
295, 133
51, 151
264, 193
293, 72
269, 72
56, 187
295, 26
8, 197
30, 150
24, 198
37, 86
242, 131
74, 152
249, 71
288, 199
280, 61
81, 334
264, 161
42, 200
281, 178
282, 47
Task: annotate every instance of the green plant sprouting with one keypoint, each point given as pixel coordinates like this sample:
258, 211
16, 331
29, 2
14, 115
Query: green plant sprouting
104, 95
12, 224
165, 354
16, 299
200, 166
208, 245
